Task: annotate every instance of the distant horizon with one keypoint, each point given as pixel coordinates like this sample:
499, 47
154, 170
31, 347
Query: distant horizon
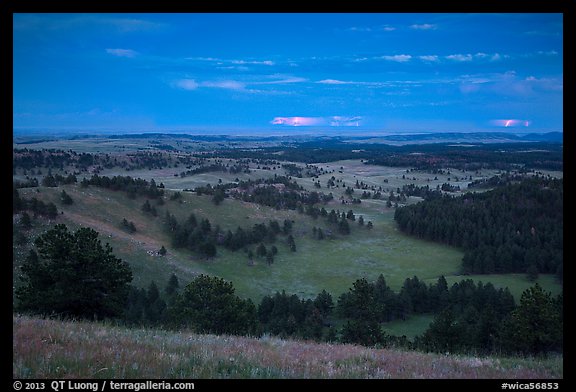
22, 132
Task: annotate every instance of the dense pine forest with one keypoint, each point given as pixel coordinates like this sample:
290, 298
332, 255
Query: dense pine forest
514, 228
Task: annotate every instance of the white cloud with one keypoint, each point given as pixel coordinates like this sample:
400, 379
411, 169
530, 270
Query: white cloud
548, 53
399, 58
281, 79
225, 84
333, 81
360, 29
424, 26
460, 57
186, 84
368, 29
240, 86
122, 52
243, 62
429, 58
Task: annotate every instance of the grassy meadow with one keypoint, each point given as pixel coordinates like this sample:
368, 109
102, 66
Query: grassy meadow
331, 264
56, 349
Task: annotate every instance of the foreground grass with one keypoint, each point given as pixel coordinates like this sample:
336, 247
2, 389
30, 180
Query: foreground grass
55, 349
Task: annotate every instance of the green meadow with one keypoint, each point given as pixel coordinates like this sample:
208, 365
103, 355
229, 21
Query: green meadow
330, 264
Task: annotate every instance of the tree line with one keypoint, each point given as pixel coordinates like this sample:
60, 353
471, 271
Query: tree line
71, 275
513, 228
38, 207
132, 186
199, 235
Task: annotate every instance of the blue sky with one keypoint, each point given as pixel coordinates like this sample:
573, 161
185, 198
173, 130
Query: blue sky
235, 73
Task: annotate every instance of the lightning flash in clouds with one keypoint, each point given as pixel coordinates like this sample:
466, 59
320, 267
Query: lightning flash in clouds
332, 121
510, 123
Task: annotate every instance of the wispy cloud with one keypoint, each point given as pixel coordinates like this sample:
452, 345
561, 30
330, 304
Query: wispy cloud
424, 26
254, 62
221, 61
333, 81
399, 58
429, 58
240, 85
548, 53
225, 84
460, 57
510, 84
370, 29
279, 79
478, 56
122, 52
186, 84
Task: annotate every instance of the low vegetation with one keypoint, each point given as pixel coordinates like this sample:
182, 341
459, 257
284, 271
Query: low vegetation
55, 349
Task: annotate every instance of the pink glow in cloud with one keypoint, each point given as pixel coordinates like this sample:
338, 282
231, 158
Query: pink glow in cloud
298, 121
510, 123
333, 121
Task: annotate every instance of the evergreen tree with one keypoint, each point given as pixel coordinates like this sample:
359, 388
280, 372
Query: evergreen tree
26, 221
444, 334
364, 332
287, 228
134, 313
291, 243
532, 272
65, 198
261, 250
209, 305
172, 286
155, 306
72, 275
324, 303
535, 327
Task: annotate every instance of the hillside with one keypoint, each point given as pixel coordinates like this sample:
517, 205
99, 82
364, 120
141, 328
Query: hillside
55, 349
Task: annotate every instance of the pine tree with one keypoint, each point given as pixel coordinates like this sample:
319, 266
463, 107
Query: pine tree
535, 327
26, 221
65, 198
172, 287
209, 305
72, 275
291, 243
261, 250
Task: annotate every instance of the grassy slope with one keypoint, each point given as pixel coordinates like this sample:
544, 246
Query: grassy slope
330, 264
54, 349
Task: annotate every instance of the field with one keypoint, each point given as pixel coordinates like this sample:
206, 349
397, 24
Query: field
55, 349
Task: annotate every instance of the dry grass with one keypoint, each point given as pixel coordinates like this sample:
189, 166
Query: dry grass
54, 349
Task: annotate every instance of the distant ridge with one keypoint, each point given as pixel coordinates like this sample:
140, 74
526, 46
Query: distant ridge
371, 137
481, 137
